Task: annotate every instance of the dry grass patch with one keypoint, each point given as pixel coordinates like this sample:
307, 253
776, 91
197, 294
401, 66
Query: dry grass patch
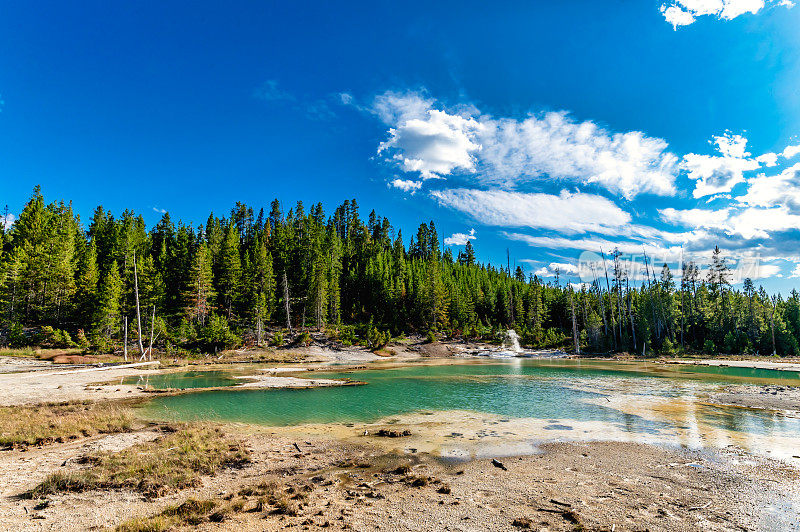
21, 426
21, 352
169, 463
191, 512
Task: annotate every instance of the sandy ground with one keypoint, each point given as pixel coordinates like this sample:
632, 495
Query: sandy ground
271, 381
600, 486
759, 364
67, 385
767, 397
16, 364
26, 381
546, 484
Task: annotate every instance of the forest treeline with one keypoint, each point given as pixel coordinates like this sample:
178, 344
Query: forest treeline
254, 278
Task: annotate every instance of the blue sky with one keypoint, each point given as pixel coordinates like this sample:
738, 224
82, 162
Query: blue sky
550, 128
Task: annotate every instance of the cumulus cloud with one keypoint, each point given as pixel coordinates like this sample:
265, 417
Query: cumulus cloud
406, 185
710, 219
685, 12
791, 151
460, 239
502, 164
434, 146
747, 222
768, 159
560, 268
567, 212
677, 16
719, 173
765, 191
507, 152
756, 222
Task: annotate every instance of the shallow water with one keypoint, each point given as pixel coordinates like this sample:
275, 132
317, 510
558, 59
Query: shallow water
183, 380
571, 398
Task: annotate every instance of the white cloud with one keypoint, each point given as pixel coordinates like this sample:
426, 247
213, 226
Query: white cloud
710, 219
685, 12
560, 267
796, 271
460, 239
395, 108
508, 152
595, 244
766, 191
406, 185
748, 222
567, 212
555, 145
159, 210
345, 98
768, 159
765, 271
7, 221
730, 145
434, 146
677, 16
791, 151
719, 173
759, 223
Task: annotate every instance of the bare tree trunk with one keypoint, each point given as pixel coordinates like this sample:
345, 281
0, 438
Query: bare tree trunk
683, 315
125, 342
619, 309
574, 325
152, 329
138, 311
772, 324
630, 313
583, 305
286, 301
610, 303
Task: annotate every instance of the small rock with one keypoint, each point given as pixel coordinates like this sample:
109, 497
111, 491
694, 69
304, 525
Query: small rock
499, 464
522, 522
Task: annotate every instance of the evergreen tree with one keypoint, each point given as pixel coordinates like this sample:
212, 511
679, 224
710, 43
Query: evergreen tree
107, 317
200, 290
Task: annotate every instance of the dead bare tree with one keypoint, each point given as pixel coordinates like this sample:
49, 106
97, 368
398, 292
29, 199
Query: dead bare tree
138, 311
152, 329
125, 342
574, 323
610, 302
286, 301
772, 324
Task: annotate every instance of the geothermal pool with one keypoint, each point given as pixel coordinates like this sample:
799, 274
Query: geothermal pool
533, 400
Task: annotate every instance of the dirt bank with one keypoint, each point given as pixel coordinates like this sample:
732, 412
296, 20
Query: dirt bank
752, 363
35, 387
336, 485
767, 397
